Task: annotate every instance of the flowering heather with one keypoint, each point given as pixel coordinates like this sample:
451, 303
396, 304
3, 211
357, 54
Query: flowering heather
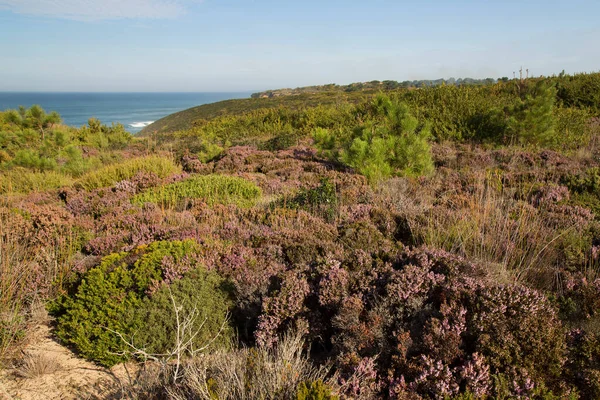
475, 279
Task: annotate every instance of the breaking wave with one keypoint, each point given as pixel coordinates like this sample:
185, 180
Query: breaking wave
140, 124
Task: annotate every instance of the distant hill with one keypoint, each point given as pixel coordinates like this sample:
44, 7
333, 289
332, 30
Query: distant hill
188, 118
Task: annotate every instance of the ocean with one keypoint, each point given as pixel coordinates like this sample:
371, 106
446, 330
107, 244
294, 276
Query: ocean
133, 110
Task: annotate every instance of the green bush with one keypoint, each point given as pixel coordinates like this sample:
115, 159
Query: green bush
104, 303
31, 159
203, 294
585, 189
213, 189
321, 200
315, 390
116, 296
280, 142
108, 176
571, 130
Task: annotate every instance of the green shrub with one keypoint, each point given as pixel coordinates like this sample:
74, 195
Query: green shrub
203, 294
114, 297
104, 303
213, 189
31, 159
580, 91
315, 390
571, 130
321, 200
585, 189
281, 141
108, 176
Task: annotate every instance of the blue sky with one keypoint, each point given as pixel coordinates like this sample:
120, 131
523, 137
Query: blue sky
238, 45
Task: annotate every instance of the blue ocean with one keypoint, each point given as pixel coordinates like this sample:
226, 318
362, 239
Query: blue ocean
133, 110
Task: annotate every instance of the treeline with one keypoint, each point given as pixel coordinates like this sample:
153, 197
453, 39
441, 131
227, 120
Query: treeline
376, 85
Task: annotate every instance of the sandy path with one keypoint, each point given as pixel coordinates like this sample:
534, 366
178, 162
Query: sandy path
72, 378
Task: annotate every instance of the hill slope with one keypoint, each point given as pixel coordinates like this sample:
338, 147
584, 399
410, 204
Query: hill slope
187, 118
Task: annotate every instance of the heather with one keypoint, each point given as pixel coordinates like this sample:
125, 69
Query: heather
399, 245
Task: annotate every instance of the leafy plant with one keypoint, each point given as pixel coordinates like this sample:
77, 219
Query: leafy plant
321, 200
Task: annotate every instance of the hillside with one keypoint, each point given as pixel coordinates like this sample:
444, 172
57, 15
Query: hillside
195, 115
439, 243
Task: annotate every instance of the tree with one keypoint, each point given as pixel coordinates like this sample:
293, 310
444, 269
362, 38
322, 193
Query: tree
531, 120
391, 142
37, 118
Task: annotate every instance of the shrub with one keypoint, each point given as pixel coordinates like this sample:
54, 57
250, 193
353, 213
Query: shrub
117, 297
36, 249
108, 176
204, 295
584, 362
572, 128
281, 141
213, 189
31, 159
104, 303
321, 200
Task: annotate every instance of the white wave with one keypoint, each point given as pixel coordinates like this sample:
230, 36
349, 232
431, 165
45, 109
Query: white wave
140, 124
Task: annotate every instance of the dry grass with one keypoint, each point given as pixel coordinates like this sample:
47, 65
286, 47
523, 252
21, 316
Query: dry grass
510, 237
15, 263
250, 373
239, 374
28, 273
35, 365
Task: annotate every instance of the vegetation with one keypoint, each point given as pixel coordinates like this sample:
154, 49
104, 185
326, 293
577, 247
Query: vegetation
109, 175
392, 143
123, 299
213, 189
437, 242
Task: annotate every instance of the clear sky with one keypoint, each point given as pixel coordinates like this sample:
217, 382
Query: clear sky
238, 45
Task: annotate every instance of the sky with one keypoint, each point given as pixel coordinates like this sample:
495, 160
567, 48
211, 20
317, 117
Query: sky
250, 45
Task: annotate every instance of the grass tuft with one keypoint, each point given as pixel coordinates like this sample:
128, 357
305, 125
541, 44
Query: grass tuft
213, 189
108, 176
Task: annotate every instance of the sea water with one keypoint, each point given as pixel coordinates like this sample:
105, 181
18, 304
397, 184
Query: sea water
133, 110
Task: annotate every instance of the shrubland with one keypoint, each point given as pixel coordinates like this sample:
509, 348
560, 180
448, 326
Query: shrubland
439, 243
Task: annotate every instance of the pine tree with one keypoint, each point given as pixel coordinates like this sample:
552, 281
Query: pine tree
531, 119
391, 142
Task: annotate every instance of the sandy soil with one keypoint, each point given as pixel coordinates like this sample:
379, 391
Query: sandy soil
64, 377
